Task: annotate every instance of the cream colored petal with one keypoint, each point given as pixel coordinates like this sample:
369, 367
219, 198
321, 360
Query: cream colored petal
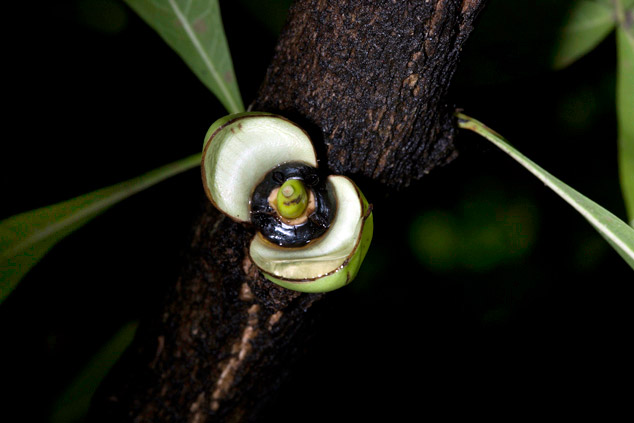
325, 255
241, 150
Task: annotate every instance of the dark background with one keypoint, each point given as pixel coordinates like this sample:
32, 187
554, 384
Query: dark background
482, 288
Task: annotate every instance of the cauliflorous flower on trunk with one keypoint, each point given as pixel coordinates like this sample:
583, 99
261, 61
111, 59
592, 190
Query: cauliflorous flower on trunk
312, 231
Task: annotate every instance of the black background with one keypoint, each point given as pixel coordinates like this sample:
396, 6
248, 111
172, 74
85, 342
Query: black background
544, 323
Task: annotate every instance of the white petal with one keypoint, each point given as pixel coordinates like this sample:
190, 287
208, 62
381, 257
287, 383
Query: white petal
242, 150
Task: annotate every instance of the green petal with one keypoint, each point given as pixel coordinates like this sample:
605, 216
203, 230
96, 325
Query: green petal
241, 149
329, 262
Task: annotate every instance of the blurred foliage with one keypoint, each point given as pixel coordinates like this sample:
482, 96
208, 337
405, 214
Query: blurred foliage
625, 109
74, 402
107, 16
587, 24
519, 292
486, 230
618, 233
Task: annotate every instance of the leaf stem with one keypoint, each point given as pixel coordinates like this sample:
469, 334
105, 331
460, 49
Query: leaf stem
613, 229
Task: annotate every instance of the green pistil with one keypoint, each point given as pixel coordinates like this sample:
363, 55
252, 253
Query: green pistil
292, 199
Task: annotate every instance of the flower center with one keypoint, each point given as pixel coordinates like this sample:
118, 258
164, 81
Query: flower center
292, 199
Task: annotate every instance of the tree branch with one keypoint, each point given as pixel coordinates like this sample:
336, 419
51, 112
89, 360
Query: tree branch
369, 78
367, 81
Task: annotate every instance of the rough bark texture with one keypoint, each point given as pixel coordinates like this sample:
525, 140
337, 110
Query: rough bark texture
367, 80
222, 337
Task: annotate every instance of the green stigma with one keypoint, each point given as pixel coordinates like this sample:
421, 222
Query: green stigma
292, 199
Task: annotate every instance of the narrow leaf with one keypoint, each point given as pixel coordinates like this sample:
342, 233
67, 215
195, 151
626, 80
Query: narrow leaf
615, 231
587, 25
625, 113
25, 238
74, 402
193, 28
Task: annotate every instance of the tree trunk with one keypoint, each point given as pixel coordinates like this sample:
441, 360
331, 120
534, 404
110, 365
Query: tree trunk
367, 81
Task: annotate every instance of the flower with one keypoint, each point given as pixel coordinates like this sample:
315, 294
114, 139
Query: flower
312, 231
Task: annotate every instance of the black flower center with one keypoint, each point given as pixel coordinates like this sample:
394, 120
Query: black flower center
301, 230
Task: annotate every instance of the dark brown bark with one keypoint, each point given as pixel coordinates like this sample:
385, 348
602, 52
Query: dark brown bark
367, 80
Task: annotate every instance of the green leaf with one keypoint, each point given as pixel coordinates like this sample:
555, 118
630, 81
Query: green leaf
25, 238
193, 28
74, 402
612, 3
625, 4
625, 113
618, 234
587, 25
